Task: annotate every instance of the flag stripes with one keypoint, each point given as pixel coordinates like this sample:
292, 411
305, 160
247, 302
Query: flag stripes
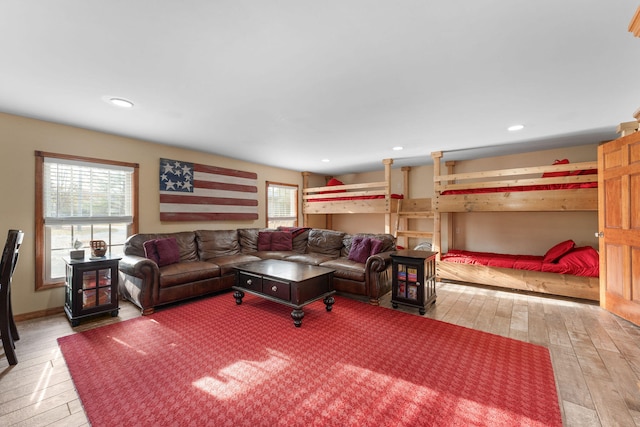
194, 192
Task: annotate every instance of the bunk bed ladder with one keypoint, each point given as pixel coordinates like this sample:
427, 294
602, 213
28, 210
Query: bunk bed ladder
412, 209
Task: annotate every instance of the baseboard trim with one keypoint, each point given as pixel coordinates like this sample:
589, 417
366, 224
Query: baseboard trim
38, 314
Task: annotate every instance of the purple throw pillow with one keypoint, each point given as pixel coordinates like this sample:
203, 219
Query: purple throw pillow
281, 241
376, 246
264, 240
360, 249
168, 251
151, 251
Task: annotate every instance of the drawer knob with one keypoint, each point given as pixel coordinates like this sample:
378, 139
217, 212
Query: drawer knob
274, 288
248, 281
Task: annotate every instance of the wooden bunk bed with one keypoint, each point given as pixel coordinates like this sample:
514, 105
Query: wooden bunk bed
551, 188
365, 198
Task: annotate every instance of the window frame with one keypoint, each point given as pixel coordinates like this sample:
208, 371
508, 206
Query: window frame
40, 232
282, 184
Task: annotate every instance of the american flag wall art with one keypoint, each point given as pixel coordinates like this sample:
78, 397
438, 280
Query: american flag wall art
194, 192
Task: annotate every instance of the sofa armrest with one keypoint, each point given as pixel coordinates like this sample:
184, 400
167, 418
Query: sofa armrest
140, 281
378, 276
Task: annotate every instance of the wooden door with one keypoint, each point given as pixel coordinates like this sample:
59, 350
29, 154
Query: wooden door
619, 224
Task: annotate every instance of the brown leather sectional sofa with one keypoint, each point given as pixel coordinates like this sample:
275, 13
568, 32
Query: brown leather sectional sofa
207, 258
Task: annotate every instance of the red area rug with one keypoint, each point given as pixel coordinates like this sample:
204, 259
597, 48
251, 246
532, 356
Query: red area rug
211, 362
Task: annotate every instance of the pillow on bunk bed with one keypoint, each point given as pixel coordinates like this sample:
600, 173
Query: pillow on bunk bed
581, 261
360, 249
333, 182
561, 173
558, 250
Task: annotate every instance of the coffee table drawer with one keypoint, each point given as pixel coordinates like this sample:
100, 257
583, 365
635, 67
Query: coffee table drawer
276, 289
250, 281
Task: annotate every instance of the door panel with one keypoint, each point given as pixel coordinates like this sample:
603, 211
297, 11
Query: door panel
619, 223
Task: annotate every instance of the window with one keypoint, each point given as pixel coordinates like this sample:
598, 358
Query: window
79, 199
282, 205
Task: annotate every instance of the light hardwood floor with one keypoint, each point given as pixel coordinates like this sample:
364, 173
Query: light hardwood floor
595, 355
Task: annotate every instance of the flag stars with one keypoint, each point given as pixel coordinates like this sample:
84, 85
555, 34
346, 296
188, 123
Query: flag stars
170, 185
167, 168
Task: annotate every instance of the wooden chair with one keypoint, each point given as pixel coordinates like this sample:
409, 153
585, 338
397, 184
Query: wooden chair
8, 330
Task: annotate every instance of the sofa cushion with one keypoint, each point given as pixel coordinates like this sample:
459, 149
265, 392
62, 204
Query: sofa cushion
217, 243
187, 272
310, 258
326, 242
228, 262
360, 249
167, 250
346, 268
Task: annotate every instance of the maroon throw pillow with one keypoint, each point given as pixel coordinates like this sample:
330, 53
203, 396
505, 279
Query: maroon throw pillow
264, 240
360, 249
376, 246
150, 251
168, 251
281, 241
558, 250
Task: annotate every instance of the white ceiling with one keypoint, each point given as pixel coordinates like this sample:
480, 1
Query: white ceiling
288, 83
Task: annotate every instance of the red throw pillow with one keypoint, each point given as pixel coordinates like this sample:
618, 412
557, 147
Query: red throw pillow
168, 251
360, 249
333, 182
281, 241
376, 246
264, 240
558, 250
561, 173
150, 251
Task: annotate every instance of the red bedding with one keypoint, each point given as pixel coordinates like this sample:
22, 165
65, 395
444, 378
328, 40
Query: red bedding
581, 261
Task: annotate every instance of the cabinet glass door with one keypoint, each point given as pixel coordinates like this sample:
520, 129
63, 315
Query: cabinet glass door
96, 288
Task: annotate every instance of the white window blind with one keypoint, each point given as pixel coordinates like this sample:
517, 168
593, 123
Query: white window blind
282, 201
83, 192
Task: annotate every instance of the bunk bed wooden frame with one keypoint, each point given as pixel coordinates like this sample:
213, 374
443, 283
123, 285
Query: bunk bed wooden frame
559, 200
360, 201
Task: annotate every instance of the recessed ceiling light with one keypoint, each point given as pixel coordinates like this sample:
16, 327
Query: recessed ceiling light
121, 102
398, 148
515, 128
325, 160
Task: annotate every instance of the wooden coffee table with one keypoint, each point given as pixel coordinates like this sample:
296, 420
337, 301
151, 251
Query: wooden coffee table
289, 283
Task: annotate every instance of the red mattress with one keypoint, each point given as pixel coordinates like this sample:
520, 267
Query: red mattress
581, 261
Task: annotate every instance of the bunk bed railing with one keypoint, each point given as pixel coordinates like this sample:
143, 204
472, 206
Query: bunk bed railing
518, 177
380, 188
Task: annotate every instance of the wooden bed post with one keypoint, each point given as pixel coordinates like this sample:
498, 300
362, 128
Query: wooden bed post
403, 222
305, 184
387, 178
436, 242
451, 235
